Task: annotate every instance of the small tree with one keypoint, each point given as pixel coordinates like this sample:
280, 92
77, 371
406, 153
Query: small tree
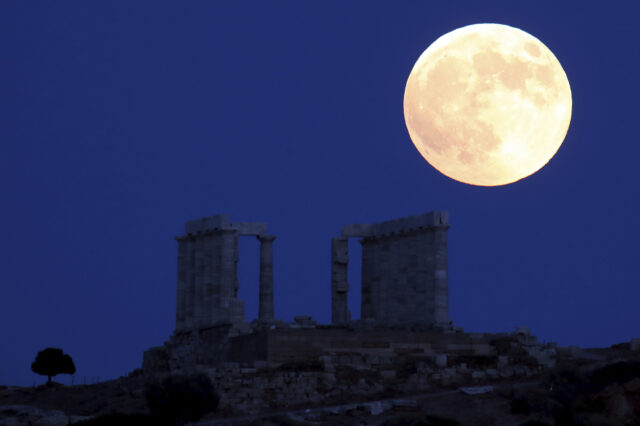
52, 361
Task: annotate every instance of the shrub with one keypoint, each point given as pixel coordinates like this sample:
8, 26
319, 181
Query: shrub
618, 372
520, 406
181, 398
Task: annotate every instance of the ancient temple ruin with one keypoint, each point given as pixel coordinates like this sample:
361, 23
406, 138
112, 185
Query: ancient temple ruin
404, 284
403, 342
208, 273
404, 271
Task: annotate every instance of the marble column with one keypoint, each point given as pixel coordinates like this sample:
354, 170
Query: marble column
441, 275
265, 310
182, 283
189, 277
339, 285
226, 307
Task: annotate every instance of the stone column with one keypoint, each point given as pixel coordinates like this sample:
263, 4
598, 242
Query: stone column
441, 275
228, 307
190, 289
198, 281
339, 284
182, 283
265, 310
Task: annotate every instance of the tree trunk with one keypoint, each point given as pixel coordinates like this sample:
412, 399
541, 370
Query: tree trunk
49, 381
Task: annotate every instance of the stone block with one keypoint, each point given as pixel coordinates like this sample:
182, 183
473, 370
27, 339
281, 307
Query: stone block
519, 370
506, 372
231, 366
492, 373
482, 349
357, 230
503, 361
388, 374
375, 408
476, 390
405, 404
207, 224
437, 218
410, 223
449, 372
478, 375
441, 360
304, 320
340, 251
250, 228
260, 364
574, 350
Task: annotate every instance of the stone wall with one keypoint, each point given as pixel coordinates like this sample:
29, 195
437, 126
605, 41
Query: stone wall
337, 378
293, 365
404, 277
404, 271
207, 291
286, 343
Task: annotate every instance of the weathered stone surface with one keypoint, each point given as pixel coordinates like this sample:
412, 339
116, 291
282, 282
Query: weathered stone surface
397, 226
357, 230
207, 291
403, 342
265, 307
27, 415
476, 390
207, 224
478, 375
250, 228
388, 374
404, 271
304, 320
405, 404
339, 285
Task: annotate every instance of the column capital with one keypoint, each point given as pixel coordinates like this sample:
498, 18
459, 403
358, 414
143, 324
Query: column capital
266, 238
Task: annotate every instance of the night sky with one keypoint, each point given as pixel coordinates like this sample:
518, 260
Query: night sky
119, 121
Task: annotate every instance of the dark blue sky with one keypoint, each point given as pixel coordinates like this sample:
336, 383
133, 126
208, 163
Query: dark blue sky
119, 121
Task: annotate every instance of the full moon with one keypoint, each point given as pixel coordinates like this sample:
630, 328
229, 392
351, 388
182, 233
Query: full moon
487, 104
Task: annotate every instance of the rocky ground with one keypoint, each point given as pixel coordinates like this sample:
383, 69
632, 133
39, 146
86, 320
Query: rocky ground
592, 387
445, 407
48, 406
61, 405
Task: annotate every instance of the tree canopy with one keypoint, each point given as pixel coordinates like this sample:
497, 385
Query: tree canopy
52, 361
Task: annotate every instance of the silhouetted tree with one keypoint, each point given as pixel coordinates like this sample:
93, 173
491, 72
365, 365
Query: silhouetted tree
52, 361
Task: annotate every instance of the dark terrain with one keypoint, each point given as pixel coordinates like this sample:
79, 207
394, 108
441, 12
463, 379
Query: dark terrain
592, 387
